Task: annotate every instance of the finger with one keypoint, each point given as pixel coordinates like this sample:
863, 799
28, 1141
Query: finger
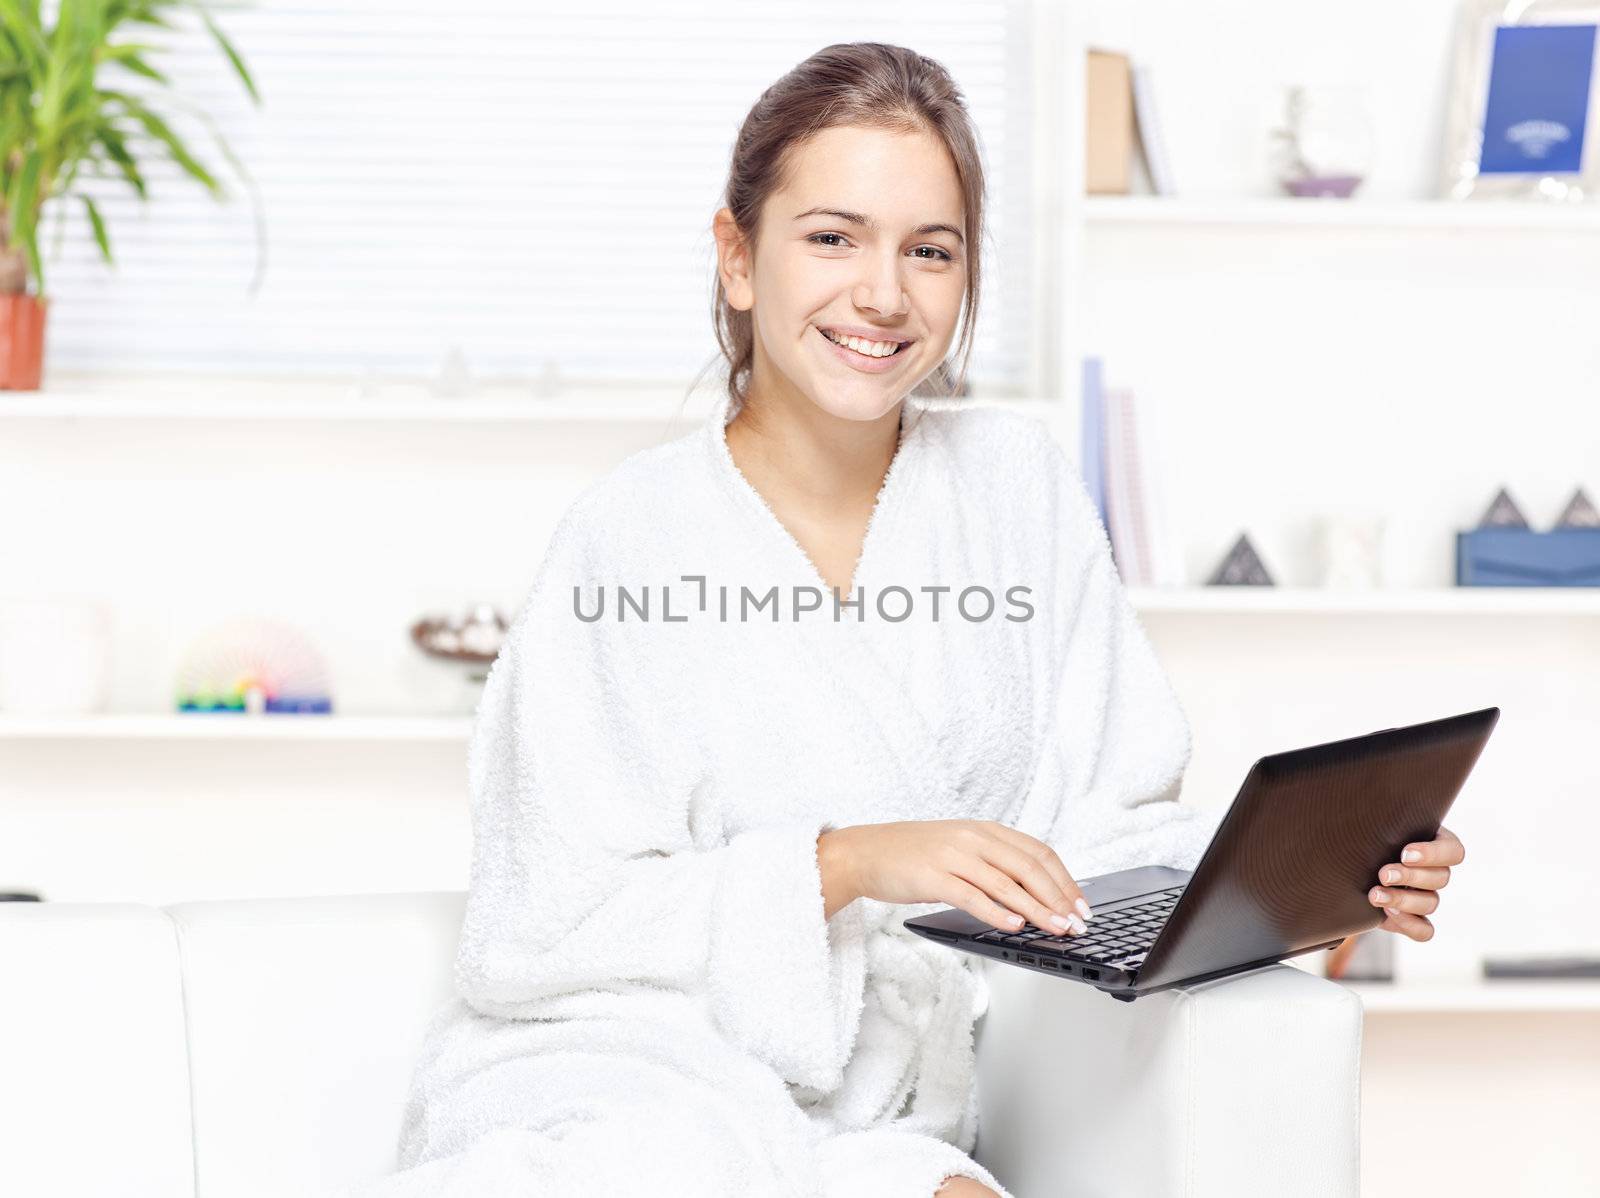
1052, 862
1008, 892
1030, 873
1418, 877
969, 898
1414, 926
1444, 849
1419, 902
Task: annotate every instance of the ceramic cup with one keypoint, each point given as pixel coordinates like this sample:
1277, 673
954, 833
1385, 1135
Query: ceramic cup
1350, 551
55, 656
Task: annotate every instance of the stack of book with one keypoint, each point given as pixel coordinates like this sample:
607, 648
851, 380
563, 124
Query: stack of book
1122, 128
1121, 473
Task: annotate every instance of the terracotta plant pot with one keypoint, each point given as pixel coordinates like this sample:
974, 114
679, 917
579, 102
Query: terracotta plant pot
21, 341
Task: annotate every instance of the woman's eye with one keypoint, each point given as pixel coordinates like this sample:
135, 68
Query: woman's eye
939, 254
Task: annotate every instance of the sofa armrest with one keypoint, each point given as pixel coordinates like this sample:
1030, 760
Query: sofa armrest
1239, 1086
93, 1056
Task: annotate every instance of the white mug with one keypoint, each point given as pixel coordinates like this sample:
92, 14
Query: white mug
1351, 551
55, 656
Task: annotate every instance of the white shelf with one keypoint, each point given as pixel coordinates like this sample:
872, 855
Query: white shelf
1489, 995
67, 396
1512, 601
1442, 215
210, 398
227, 726
1430, 601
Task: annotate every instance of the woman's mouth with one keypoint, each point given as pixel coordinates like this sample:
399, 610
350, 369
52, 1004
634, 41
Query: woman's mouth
869, 357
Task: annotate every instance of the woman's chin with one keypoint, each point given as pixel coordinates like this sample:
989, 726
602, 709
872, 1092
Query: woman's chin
864, 403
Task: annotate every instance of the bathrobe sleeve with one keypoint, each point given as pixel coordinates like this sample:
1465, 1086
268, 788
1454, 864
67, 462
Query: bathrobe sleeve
585, 873
1120, 741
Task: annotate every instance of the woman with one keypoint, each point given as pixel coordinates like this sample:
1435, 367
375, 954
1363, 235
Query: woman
826, 663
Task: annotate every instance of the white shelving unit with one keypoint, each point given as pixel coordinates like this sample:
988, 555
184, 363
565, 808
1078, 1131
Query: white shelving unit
202, 398
230, 726
198, 397
1422, 601
1199, 601
1109, 212
1498, 996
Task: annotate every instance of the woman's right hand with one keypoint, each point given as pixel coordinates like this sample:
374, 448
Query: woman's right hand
993, 872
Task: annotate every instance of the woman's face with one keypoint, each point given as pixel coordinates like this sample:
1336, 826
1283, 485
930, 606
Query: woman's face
865, 238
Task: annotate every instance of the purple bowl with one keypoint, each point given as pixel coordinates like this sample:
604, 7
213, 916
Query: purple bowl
1338, 186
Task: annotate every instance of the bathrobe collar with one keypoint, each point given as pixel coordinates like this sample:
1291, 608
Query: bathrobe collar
892, 500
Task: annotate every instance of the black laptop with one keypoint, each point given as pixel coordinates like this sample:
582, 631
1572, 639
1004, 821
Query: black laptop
1287, 872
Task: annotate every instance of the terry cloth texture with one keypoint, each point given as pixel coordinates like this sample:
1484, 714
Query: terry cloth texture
650, 998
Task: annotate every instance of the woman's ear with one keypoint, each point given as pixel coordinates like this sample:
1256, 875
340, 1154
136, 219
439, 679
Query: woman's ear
733, 261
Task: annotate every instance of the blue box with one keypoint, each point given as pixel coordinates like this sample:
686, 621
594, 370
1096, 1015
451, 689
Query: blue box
1520, 557
1538, 103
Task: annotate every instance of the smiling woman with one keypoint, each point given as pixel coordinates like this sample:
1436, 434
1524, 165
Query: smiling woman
665, 972
846, 248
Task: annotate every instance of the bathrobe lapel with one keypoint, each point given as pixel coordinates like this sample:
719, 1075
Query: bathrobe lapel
864, 660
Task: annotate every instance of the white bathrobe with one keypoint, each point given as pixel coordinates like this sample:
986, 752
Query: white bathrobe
651, 1001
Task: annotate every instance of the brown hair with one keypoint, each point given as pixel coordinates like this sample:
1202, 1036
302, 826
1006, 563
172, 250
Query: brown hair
852, 83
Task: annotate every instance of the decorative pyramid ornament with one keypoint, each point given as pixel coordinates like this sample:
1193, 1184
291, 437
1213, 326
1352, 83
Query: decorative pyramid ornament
1579, 512
1241, 567
1502, 513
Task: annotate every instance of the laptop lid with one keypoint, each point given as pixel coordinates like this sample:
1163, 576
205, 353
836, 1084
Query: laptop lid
1291, 863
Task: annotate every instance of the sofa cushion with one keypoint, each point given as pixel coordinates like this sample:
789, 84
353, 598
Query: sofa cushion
306, 1017
94, 1092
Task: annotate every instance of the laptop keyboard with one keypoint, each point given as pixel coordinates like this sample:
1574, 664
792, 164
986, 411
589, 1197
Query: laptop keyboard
1119, 939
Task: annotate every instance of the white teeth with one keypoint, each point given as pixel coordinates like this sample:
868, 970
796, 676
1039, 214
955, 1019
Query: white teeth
872, 349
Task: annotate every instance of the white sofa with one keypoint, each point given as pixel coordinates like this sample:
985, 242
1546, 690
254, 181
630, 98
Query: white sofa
232, 1049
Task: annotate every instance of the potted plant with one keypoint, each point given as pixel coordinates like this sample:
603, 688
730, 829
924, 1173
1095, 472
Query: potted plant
64, 111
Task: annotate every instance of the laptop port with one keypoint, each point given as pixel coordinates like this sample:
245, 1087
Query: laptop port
1049, 964
1027, 959
1092, 974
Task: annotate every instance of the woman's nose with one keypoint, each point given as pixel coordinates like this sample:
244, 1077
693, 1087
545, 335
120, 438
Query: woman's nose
881, 289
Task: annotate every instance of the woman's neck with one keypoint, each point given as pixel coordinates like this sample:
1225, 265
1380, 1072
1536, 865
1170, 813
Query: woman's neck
804, 458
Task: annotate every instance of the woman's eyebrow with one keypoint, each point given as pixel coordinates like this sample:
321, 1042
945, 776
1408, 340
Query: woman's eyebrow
866, 222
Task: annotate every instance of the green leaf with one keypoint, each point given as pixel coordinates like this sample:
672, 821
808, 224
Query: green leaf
25, 33
158, 129
99, 227
117, 150
233, 55
129, 58
22, 207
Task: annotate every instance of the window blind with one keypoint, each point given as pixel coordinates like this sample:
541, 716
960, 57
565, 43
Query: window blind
527, 186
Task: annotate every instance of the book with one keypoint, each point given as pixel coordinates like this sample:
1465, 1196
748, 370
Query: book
1091, 443
1151, 143
1143, 547
1124, 501
1166, 546
1108, 132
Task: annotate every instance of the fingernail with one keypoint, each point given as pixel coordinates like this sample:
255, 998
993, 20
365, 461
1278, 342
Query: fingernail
1381, 896
1060, 922
1391, 875
1015, 921
1077, 924
1083, 908
1410, 855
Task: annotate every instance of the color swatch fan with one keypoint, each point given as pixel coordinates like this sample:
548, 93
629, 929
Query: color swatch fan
254, 665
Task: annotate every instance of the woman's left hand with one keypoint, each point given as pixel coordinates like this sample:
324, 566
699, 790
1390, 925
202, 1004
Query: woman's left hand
1409, 886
